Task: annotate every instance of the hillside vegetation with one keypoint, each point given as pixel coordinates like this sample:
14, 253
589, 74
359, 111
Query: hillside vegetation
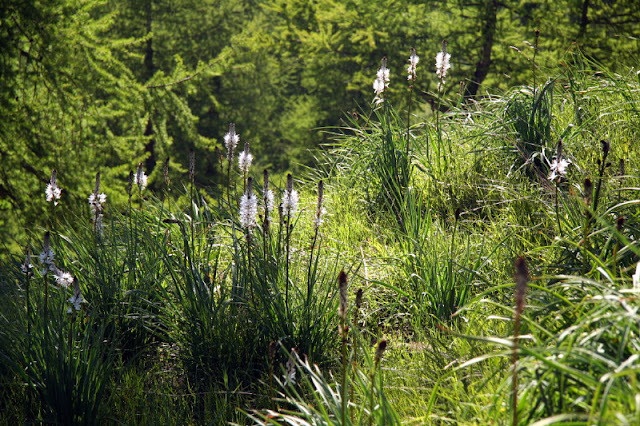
444, 255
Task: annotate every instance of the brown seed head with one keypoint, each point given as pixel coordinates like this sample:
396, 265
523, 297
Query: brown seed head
289, 182
130, 186
521, 278
342, 285
559, 150
265, 175
382, 346
359, 298
320, 194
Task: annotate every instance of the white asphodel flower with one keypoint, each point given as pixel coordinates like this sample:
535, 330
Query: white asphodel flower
47, 256
413, 62
248, 209
76, 300
290, 202
636, 278
244, 159
289, 198
443, 62
53, 192
64, 279
320, 210
140, 178
381, 82
269, 202
231, 139
290, 375
96, 202
319, 217
27, 266
558, 168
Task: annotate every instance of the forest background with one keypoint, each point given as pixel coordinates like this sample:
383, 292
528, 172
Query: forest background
93, 85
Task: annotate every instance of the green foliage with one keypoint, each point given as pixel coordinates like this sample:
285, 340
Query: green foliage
430, 197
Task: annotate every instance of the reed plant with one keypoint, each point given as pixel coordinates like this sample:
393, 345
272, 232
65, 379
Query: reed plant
64, 361
286, 290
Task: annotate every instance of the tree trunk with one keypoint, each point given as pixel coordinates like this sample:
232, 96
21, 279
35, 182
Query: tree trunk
584, 19
149, 70
489, 20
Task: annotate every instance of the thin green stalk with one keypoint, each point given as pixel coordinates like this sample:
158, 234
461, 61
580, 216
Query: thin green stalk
70, 343
46, 301
557, 211
355, 341
266, 222
456, 217
616, 247
289, 205
312, 267
343, 388
244, 182
371, 403
54, 220
229, 182
409, 119
286, 266
310, 280
382, 346
589, 217
249, 266
534, 65
266, 241
280, 228
601, 170
413, 62
438, 129
272, 362
193, 215
514, 372
343, 331
28, 290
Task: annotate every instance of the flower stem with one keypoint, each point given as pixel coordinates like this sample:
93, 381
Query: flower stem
558, 211
286, 279
343, 388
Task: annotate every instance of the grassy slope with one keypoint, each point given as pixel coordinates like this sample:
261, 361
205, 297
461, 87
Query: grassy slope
428, 226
